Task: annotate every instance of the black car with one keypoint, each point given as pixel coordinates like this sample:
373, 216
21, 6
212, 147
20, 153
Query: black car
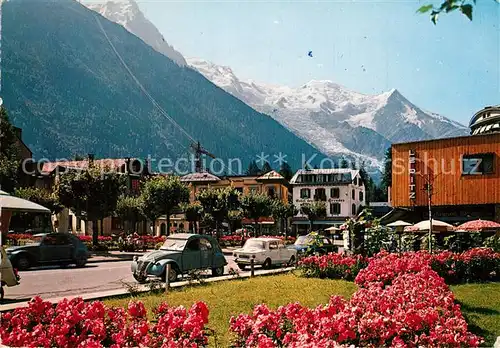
60, 249
312, 244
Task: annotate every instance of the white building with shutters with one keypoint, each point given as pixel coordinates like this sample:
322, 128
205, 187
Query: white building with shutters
342, 190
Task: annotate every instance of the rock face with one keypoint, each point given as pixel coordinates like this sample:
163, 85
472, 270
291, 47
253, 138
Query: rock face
334, 118
127, 14
78, 83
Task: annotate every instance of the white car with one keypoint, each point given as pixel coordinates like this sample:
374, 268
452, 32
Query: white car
266, 252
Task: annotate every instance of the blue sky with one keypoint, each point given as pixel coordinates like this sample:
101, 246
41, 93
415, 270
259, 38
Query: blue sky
368, 46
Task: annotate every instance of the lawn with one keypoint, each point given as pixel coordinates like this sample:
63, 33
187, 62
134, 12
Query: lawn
480, 305
228, 298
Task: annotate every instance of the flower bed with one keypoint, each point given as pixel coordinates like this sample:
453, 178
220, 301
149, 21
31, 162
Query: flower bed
74, 323
478, 264
332, 266
401, 302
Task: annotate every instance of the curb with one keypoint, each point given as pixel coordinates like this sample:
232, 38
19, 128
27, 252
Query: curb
146, 288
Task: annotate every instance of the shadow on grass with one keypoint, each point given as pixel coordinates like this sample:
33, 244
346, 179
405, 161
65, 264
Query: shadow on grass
478, 310
471, 313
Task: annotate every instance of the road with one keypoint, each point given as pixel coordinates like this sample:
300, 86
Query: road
50, 282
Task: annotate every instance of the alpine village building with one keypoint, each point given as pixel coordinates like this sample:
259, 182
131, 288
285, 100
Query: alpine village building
460, 177
342, 191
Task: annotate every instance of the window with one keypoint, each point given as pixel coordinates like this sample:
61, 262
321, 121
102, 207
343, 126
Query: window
361, 196
70, 223
205, 244
320, 194
353, 194
193, 245
355, 180
305, 193
335, 192
273, 245
353, 209
335, 208
116, 223
478, 164
61, 239
78, 224
271, 192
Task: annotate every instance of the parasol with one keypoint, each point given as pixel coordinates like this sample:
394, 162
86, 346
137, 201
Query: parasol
332, 229
478, 226
437, 226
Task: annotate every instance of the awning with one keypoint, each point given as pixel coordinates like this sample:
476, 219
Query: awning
12, 203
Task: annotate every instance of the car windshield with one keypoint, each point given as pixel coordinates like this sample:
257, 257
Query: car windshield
174, 244
303, 240
254, 244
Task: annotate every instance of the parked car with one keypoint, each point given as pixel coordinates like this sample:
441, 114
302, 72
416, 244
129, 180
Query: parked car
184, 252
314, 243
60, 249
266, 252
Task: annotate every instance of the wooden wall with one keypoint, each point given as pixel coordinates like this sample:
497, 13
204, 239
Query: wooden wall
442, 160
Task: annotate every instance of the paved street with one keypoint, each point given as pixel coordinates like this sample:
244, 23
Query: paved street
57, 282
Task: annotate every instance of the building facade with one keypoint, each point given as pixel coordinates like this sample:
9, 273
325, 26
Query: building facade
342, 190
462, 174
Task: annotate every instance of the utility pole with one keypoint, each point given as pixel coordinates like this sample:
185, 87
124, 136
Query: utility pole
429, 189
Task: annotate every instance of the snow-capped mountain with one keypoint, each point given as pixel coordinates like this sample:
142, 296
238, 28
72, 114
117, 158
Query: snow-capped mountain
333, 118
127, 14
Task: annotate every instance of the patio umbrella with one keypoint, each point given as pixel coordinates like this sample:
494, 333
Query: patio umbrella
9, 204
332, 229
399, 226
479, 226
437, 226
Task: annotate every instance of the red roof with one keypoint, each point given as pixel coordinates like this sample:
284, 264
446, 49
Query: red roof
111, 163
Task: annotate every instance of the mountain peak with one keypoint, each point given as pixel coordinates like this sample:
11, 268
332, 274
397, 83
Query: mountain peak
128, 14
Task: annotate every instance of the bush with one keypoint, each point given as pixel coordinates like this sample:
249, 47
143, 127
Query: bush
332, 266
493, 242
74, 323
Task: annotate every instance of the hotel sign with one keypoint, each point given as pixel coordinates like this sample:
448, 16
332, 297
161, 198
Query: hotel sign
413, 174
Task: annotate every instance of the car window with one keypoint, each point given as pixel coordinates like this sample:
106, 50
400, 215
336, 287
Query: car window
254, 244
193, 245
273, 245
205, 244
281, 245
61, 239
174, 244
49, 240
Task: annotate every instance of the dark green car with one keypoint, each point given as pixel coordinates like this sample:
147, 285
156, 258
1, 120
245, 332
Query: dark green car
60, 249
184, 252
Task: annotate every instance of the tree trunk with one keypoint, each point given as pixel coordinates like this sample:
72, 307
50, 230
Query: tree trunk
285, 225
95, 233
102, 227
195, 228
168, 224
217, 230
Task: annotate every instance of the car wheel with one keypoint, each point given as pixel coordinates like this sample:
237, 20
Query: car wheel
241, 266
292, 261
172, 277
80, 261
140, 279
23, 263
267, 264
217, 272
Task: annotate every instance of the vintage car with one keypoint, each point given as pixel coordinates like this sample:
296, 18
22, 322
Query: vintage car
184, 252
264, 251
60, 249
314, 244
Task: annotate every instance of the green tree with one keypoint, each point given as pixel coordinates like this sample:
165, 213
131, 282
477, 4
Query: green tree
266, 168
193, 213
314, 211
253, 169
79, 158
466, 7
131, 210
163, 196
91, 194
255, 206
281, 211
234, 217
217, 203
286, 171
9, 154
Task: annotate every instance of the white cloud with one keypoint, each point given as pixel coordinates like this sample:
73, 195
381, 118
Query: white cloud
276, 22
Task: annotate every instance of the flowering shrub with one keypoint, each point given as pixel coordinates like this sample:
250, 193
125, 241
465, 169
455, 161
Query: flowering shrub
402, 302
74, 323
332, 266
